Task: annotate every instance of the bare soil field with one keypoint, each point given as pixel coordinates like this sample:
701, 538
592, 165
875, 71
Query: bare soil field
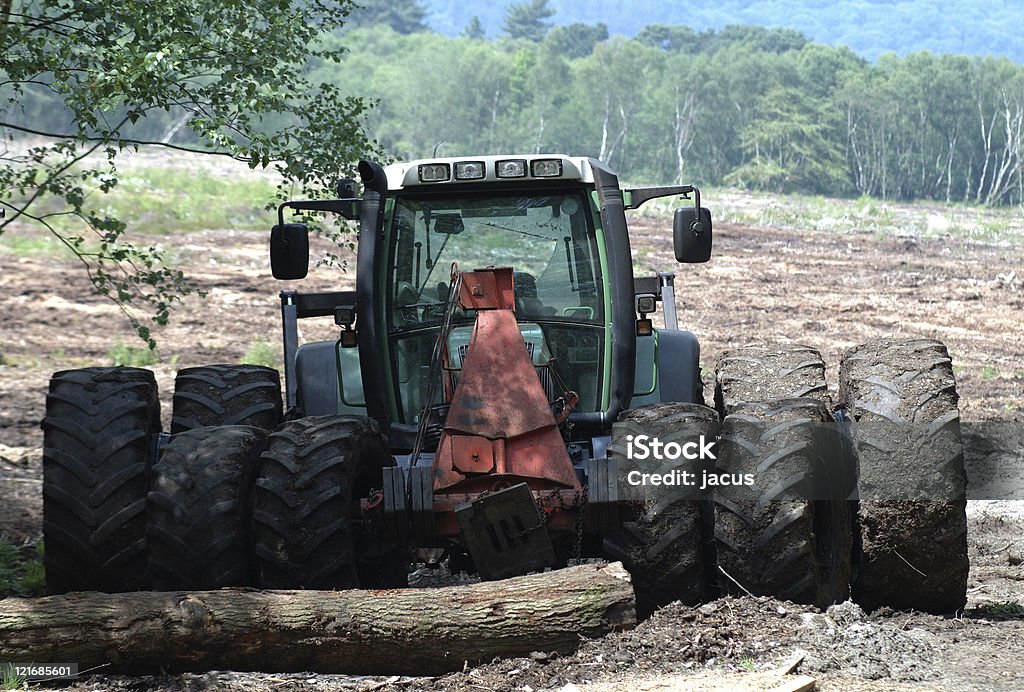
825, 289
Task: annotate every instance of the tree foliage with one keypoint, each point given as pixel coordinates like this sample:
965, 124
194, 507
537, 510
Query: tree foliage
528, 20
88, 80
404, 16
675, 39
757, 107
578, 40
475, 29
789, 145
871, 28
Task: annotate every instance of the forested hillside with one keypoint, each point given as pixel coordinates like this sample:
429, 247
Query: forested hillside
748, 107
744, 106
869, 27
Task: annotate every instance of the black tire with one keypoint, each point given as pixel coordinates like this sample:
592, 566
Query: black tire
226, 395
98, 437
765, 372
199, 508
665, 540
786, 533
912, 539
308, 529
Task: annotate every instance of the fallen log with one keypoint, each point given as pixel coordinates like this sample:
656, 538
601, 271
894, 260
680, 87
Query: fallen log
388, 632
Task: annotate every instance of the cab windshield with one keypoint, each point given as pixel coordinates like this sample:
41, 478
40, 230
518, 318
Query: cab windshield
546, 239
549, 241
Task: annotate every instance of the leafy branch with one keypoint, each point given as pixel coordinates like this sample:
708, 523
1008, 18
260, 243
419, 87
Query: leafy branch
230, 75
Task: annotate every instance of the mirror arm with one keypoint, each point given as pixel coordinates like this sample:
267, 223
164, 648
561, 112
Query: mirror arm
640, 195
338, 206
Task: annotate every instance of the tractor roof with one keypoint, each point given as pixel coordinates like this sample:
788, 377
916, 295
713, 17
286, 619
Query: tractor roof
425, 173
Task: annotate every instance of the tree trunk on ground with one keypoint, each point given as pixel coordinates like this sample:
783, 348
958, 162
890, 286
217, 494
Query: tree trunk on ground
392, 632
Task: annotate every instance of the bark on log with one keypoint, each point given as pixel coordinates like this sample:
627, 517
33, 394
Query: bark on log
391, 632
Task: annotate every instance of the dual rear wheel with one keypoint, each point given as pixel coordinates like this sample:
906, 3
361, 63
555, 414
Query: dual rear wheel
873, 506
234, 497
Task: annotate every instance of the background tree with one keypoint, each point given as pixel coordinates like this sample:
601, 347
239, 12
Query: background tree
475, 29
789, 145
613, 83
577, 40
404, 16
540, 85
998, 175
433, 89
230, 72
681, 96
758, 38
674, 39
528, 20
752, 106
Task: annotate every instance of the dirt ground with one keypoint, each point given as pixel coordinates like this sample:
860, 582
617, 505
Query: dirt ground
818, 287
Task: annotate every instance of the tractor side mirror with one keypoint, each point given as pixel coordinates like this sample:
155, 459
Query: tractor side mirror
692, 235
289, 251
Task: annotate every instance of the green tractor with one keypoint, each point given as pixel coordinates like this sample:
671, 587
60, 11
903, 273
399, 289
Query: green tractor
498, 394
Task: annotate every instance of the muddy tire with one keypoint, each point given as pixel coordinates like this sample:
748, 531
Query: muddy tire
764, 372
226, 395
308, 530
199, 508
98, 436
665, 542
912, 539
786, 533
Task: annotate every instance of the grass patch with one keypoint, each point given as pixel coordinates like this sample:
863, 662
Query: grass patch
32, 242
132, 356
262, 353
179, 197
9, 680
1008, 609
21, 570
880, 218
989, 372
161, 200
155, 200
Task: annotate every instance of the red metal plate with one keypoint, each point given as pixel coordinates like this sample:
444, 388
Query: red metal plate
489, 289
472, 454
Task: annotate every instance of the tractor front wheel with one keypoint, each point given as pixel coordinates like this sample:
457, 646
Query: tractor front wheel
198, 529
308, 528
665, 543
786, 532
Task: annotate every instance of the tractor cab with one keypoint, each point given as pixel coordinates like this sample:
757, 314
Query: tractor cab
556, 221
